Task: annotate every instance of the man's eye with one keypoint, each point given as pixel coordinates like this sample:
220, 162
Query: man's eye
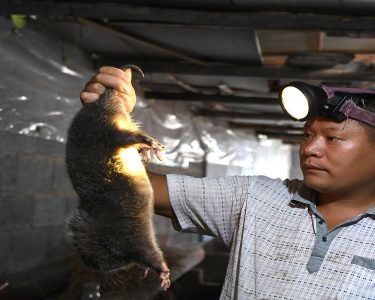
306, 135
332, 138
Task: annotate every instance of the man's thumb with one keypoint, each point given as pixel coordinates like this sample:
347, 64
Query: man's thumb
128, 72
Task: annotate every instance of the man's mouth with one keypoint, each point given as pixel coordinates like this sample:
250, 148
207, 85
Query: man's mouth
311, 167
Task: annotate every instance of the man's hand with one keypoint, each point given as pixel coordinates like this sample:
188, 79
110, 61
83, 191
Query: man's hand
110, 77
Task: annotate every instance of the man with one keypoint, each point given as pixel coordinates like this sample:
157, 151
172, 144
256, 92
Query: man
292, 239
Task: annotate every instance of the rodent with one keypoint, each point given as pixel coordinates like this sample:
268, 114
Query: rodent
112, 226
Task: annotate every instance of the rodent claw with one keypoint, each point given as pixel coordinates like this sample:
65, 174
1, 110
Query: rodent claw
134, 67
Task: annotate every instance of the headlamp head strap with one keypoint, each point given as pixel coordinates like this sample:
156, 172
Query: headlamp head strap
350, 107
351, 110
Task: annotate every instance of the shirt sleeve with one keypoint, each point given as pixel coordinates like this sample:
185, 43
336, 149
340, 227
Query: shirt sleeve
209, 205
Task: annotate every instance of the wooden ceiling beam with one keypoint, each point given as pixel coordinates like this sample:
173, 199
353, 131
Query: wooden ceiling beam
243, 70
240, 115
315, 41
276, 61
134, 13
286, 138
270, 128
275, 133
279, 134
365, 58
133, 39
276, 53
191, 97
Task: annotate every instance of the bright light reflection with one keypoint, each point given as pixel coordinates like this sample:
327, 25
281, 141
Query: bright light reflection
121, 123
68, 71
172, 122
55, 113
295, 102
64, 69
130, 161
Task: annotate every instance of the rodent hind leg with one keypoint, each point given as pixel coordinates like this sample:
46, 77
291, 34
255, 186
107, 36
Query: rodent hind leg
155, 261
165, 280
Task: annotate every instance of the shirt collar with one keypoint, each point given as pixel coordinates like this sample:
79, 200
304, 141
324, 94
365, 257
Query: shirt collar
371, 211
307, 196
304, 195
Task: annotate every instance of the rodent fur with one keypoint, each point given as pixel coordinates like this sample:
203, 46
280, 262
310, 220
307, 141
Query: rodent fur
112, 226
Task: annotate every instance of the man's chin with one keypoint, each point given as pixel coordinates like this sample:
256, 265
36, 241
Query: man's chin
316, 184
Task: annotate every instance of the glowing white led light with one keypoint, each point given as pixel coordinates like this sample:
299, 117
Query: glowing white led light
295, 102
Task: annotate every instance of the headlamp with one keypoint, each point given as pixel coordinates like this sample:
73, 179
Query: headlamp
301, 101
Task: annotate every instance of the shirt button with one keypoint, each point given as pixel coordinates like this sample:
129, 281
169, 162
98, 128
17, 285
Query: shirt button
321, 221
324, 238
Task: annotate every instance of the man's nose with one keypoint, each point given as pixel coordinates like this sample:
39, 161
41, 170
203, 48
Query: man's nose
313, 147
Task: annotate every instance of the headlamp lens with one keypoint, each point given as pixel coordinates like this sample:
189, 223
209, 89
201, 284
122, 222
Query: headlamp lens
295, 102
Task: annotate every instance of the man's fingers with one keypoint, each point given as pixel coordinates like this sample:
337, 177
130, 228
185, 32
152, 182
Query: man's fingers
107, 80
94, 87
110, 77
87, 97
129, 101
115, 72
128, 72
92, 92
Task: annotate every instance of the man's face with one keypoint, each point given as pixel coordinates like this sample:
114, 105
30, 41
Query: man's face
337, 158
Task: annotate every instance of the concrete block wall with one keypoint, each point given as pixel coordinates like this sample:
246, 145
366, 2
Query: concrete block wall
35, 198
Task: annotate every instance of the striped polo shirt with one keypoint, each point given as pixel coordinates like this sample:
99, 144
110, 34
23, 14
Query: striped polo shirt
280, 245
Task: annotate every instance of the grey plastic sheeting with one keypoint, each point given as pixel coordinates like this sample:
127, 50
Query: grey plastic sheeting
41, 76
